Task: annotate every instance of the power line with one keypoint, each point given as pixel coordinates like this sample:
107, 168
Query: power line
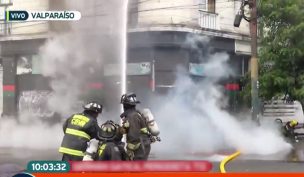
41, 23
196, 6
141, 2
182, 6
35, 23
28, 25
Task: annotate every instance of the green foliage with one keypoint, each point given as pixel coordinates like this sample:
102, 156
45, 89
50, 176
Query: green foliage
281, 56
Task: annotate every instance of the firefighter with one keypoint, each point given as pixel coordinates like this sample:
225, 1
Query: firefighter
91, 152
135, 127
108, 149
289, 132
79, 129
289, 129
119, 143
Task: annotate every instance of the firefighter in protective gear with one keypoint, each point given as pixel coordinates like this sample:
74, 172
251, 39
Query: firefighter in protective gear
135, 126
79, 129
292, 136
289, 129
108, 149
91, 152
119, 143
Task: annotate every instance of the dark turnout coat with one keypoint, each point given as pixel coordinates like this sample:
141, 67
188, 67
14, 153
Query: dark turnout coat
138, 139
79, 129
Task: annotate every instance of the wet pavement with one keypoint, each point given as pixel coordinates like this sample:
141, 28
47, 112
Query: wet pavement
17, 159
255, 166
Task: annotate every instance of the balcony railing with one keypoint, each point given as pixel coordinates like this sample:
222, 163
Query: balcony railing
207, 20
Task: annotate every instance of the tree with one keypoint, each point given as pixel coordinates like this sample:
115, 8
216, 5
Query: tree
281, 54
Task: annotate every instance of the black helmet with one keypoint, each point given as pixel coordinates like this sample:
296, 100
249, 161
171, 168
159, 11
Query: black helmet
108, 131
93, 106
129, 99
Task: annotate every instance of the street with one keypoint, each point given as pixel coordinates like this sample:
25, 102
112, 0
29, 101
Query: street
17, 159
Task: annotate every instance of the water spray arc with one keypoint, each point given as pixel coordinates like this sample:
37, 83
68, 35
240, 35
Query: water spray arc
124, 47
124, 53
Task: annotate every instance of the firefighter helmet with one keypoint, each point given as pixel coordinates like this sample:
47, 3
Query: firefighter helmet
129, 99
93, 106
108, 131
293, 123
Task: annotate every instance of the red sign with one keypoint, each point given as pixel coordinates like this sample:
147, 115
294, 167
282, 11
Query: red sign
232, 87
9, 88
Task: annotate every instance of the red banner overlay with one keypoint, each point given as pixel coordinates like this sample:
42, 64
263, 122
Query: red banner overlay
141, 166
168, 174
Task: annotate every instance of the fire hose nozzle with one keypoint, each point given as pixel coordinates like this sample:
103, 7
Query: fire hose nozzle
158, 139
155, 138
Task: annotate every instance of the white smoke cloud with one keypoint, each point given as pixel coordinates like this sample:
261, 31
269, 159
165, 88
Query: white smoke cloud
190, 116
70, 59
32, 135
192, 120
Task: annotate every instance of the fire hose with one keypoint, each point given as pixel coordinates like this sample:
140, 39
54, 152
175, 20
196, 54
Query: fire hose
227, 159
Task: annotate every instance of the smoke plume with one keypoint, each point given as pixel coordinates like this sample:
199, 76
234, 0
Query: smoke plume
192, 120
72, 60
190, 117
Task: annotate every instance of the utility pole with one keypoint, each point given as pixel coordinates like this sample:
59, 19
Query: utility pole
254, 52
254, 61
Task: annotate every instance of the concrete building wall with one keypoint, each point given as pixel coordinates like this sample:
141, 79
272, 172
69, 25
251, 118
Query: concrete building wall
1, 89
226, 10
22, 28
163, 12
191, 13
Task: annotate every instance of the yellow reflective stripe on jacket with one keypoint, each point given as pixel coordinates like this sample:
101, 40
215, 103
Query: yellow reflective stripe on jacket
81, 117
133, 146
77, 133
144, 130
101, 149
71, 151
79, 120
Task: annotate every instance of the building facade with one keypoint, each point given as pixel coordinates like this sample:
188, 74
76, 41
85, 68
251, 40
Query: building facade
19, 44
170, 33
23, 85
161, 34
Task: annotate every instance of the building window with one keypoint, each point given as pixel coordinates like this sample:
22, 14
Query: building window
24, 65
29, 64
211, 6
133, 69
207, 5
36, 64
